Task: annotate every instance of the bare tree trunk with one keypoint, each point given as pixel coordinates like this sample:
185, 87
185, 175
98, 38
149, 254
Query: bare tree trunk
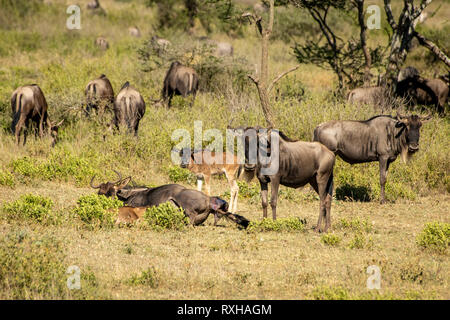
433, 48
365, 49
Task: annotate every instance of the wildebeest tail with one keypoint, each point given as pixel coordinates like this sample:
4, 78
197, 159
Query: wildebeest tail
17, 103
238, 219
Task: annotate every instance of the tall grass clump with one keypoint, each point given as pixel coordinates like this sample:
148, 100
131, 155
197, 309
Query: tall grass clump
280, 225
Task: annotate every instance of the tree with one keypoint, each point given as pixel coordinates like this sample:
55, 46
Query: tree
262, 82
351, 59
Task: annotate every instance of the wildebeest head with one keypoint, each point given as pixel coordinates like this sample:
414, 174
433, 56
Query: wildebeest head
412, 124
218, 204
186, 156
110, 189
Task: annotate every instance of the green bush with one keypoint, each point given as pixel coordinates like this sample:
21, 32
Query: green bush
7, 179
94, 210
330, 239
29, 207
178, 174
360, 241
165, 217
279, 225
149, 277
434, 236
330, 293
355, 224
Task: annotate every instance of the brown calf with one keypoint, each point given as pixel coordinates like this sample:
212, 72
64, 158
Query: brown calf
206, 163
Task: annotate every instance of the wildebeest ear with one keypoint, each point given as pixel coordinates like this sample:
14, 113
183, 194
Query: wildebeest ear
123, 183
402, 118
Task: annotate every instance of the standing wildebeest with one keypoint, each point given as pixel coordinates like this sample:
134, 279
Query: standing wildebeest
99, 95
180, 80
29, 103
205, 163
299, 163
196, 205
102, 43
129, 108
424, 91
366, 95
381, 138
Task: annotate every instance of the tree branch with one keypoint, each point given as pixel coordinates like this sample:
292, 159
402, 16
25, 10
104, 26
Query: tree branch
281, 75
422, 7
433, 48
390, 17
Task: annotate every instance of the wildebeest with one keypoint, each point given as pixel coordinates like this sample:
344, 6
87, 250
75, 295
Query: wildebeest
161, 43
366, 95
93, 4
205, 163
102, 43
99, 95
432, 92
110, 188
134, 31
299, 163
29, 103
408, 72
180, 80
197, 206
381, 138
129, 108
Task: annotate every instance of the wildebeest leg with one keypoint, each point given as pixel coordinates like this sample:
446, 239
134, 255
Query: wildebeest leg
315, 186
193, 98
19, 127
328, 200
383, 176
264, 188
275, 184
234, 189
207, 179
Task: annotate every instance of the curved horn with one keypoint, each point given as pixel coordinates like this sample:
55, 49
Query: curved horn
425, 118
400, 116
92, 186
119, 175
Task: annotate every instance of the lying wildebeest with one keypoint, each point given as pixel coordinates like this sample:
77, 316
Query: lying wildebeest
110, 188
29, 103
102, 43
180, 80
381, 138
129, 108
433, 92
134, 31
99, 95
205, 163
299, 163
197, 206
366, 95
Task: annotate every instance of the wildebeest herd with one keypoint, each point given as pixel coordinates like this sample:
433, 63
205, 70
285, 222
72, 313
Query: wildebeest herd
382, 138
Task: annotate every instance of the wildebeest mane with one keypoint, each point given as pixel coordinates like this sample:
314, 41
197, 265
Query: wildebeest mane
285, 137
125, 85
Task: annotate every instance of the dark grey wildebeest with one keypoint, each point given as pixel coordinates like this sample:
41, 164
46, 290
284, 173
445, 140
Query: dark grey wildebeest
381, 138
99, 95
179, 80
196, 205
129, 108
29, 103
298, 162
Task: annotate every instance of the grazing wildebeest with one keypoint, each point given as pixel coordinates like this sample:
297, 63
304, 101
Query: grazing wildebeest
432, 92
408, 72
134, 31
299, 163
99, 95
180, 80
29, 103
129, 108
205, 163
161, 43
381, 138
102, 43
366, 95
93, 5
197, 206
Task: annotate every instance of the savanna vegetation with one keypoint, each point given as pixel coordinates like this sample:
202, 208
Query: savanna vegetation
50, 219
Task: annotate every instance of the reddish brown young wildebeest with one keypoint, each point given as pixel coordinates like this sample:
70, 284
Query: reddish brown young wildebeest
29, 103
207, 163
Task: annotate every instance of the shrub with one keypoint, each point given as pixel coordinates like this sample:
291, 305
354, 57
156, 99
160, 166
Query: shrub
165, 217
7, 179
149, 277
279, 225
178, 174
355, 224
434, 236
31, 207
94, 210
360, 241
330, 239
